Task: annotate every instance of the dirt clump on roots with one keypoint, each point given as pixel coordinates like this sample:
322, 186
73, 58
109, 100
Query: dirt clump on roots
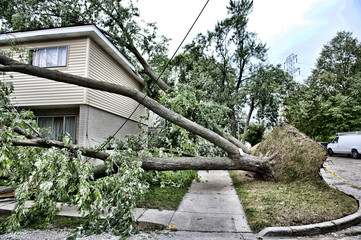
298, 157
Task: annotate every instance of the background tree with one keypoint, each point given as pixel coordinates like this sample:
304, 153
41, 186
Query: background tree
329, 101
266, 88
255, 133
223, 64
234, 48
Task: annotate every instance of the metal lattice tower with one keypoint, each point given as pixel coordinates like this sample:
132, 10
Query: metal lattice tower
289, 64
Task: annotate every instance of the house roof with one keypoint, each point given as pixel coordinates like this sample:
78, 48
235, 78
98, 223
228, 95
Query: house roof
73, 32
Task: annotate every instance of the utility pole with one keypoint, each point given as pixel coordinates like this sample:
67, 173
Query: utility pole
289, 65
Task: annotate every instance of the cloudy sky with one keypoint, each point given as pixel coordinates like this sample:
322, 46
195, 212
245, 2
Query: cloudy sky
287, 26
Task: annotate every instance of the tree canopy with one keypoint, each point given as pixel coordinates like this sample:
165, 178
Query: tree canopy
228, 64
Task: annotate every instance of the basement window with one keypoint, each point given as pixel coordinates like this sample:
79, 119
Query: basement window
49, 57
55, 127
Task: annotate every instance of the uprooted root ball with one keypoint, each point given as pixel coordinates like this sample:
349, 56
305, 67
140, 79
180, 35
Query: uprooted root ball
298, 156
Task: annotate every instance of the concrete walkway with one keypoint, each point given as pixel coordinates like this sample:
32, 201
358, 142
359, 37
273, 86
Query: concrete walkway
210, 209
211, 205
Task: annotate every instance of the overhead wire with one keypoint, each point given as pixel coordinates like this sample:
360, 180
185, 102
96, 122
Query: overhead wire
160, 75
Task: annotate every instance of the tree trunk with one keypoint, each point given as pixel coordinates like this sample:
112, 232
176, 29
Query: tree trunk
4, 190
246, 162
232, 116
247, 122
249, 163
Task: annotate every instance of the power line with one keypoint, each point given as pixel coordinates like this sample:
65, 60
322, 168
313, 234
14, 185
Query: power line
140, 103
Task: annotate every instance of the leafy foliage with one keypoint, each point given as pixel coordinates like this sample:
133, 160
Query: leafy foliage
191, 103
55, 175
255, 133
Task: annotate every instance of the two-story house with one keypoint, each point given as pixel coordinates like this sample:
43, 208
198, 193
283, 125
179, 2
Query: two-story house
90, 116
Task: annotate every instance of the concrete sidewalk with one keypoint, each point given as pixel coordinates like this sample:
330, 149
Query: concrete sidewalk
211, 205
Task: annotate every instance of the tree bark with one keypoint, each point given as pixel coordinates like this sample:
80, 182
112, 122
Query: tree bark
249, 163
4, 190
12, 65
247, 122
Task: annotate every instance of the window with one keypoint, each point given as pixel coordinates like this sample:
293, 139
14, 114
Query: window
55, 127
49, 57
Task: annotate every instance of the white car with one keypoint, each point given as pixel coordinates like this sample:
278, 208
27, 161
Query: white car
346, 143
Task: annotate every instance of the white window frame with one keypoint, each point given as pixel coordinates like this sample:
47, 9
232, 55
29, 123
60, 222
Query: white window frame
36, 57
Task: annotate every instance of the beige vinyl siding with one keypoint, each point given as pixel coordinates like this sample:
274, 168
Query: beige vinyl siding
104, 67
35, 91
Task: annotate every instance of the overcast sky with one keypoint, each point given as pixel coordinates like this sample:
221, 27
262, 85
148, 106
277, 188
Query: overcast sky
287, 26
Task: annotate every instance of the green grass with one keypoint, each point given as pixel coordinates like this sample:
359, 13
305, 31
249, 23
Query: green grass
352, 234
58, 222
166, 198
4, 216
294, 203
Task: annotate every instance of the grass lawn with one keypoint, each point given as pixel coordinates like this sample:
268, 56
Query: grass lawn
166, 198
59, 222
294, 203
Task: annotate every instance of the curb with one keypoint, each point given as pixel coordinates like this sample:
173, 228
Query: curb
313, 229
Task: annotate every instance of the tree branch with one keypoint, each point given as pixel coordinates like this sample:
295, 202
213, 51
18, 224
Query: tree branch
232, 139
131, 47
4, 190
47, 143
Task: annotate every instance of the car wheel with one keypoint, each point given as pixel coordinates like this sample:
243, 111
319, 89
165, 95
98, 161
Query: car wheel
355, 154
329, 151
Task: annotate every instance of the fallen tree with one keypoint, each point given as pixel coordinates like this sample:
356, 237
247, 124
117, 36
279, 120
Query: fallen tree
239, 159
58, 170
